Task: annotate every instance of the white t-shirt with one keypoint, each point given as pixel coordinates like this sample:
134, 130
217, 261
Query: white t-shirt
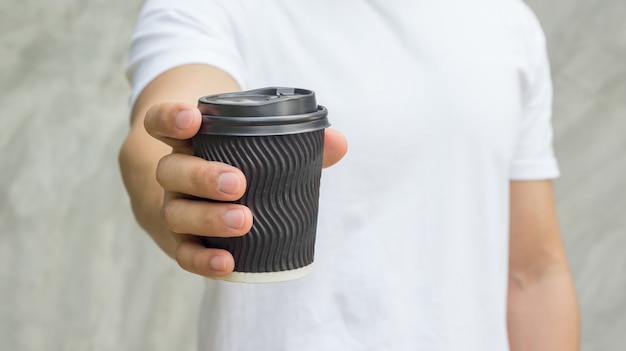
442, 102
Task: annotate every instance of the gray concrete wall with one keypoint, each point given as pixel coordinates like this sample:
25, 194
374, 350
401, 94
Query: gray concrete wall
587, 44
76, 273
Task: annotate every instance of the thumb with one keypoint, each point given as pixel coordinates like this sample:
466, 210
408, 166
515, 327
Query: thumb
335, 147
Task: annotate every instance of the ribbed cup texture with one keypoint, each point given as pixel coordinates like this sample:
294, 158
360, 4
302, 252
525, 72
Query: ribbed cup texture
283, 179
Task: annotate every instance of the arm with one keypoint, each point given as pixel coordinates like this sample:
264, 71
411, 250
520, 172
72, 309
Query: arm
542, 304
160, 171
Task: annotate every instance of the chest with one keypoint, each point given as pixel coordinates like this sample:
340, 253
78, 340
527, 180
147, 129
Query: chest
440, 76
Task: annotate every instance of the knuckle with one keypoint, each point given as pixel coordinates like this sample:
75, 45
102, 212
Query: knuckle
182, 261
200, 263
201, 177
207, 221
168, 213
151, 120
161, 171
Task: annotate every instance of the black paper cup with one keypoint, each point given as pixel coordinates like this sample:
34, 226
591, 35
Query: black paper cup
275, 136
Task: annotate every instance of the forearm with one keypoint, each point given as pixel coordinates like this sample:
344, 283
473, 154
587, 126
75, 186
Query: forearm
542, 304
543, 311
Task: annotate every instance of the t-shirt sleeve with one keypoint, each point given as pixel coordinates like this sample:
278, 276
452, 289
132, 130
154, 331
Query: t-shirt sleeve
174, 33
534, 155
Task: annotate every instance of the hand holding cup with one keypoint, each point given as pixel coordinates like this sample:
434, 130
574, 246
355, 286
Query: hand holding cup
186, 178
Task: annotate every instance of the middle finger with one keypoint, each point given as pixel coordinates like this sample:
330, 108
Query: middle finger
195, 176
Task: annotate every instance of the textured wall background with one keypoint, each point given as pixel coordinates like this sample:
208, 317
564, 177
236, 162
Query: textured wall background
76, 273
587, 44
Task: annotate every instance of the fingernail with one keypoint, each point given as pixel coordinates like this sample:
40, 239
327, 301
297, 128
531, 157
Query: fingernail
228, 183
234, 219
184, 119
218, 263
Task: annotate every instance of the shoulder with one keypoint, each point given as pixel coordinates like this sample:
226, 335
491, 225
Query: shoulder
190, 12
169, 34
524, 27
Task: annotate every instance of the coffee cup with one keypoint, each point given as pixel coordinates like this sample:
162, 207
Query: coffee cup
275, 136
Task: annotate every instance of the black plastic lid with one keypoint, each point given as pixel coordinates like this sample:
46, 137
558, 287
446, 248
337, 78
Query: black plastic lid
266, 111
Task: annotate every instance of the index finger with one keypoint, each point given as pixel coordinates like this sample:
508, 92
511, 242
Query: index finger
174, 124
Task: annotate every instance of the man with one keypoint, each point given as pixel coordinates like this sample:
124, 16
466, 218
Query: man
447, 109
